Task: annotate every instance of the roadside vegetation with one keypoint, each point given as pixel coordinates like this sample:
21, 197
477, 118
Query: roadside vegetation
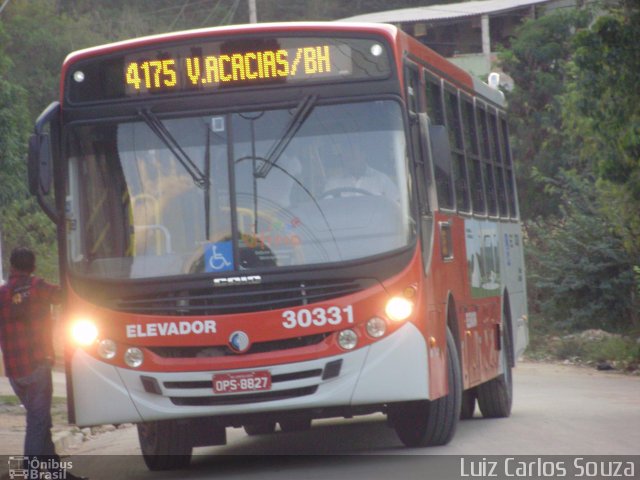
595, 348
575, 113
575, 123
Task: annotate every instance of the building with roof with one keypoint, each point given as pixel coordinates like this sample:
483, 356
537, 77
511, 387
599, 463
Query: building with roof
467, 33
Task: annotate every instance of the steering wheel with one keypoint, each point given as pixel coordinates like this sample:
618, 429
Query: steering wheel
337, 192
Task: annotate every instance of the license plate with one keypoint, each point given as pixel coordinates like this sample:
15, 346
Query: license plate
240, 382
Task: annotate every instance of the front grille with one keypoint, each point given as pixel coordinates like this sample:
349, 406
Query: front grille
245, 398
283, 377
212, 300
224, 350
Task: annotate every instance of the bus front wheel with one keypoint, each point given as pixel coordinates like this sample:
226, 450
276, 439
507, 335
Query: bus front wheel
425, 423
165, 444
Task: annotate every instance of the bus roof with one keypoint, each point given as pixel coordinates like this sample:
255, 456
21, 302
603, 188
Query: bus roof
379, 28
391, 32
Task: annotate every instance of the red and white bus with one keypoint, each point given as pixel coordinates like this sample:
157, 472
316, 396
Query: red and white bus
275, 223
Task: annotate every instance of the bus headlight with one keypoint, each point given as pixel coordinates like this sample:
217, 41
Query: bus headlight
348, 339
376, 327
399, 309
84, 332
133, 357
107, 349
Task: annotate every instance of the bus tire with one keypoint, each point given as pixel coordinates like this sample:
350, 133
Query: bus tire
165, 444
468, 404
426, 423
495, 397
262, 428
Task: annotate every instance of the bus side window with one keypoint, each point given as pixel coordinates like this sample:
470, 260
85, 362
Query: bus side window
441, 152
457, 151
441, 160
487, 163
473, 157
435, 109
499, 168
508, 163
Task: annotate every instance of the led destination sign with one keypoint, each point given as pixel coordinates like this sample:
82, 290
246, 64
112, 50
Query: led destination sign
210, 66
213, 70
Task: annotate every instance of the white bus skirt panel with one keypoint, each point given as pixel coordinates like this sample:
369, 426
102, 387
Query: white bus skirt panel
99, 394
393, 369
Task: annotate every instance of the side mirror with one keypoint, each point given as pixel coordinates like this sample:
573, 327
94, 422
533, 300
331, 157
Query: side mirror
424, 123
40, 158
39, 164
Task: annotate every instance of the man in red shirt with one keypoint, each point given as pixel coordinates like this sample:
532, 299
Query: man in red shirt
26, 339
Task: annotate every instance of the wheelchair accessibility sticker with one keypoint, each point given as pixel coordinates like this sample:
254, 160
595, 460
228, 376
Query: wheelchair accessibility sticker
218, 257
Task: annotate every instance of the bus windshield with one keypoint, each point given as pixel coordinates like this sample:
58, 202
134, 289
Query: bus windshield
238, 191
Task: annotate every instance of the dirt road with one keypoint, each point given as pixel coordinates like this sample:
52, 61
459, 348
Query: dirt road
558, 410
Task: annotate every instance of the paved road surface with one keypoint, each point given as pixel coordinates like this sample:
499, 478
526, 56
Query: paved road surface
558, 410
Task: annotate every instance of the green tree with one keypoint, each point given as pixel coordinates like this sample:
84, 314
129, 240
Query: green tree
575, 111
21, 221
537, 61
579, 274
38, 40
13, 124
123, 19
13, 129
602, 115
24, 224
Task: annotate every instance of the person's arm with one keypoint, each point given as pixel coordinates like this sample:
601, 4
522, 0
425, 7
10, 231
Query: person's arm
50, 293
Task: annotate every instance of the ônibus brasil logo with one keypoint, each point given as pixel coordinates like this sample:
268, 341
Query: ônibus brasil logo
27, 468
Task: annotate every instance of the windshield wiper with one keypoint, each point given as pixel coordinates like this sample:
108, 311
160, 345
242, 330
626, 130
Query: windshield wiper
163, 134
303, 110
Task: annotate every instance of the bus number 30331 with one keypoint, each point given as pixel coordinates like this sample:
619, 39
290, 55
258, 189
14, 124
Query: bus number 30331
318, 317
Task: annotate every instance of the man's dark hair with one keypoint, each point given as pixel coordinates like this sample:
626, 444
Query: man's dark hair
23, 259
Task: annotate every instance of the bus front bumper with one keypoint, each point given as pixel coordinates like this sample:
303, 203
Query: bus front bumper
393, 369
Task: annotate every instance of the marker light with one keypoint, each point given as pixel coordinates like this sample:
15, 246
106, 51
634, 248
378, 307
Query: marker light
399, 309
84, 332
107, 349
348, 339
133, 357
376, 50
376, 327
